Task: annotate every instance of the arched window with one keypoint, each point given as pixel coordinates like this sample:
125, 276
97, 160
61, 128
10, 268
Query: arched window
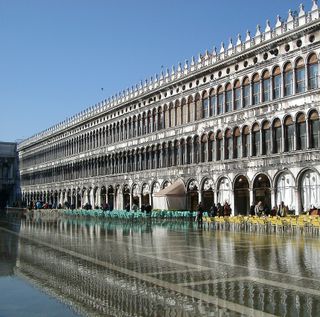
314, 129
149, 127
184, 111
211, 147
246, 92
266, 138
288, 134
164, 155
183, 153
196, 149
144, 123
190, 109
313, 71
178, 113
166, 114
189, 150
276, 82
228, 145
301, 132
236, 143
169, 154
266, 86
176, 153
171, 117
198, 108
245, 141
205, 105
153, 157
139, 125
154, 120
212, 102
255, 140
219, 145
228, 98
277, 136
158, 159
220, 101
160, 119
237, 95
255, 89
300, 76
288, 79
204, 143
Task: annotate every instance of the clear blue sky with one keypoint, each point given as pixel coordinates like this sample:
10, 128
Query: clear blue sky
55, 56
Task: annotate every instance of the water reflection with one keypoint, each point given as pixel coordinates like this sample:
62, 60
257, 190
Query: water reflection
169, 268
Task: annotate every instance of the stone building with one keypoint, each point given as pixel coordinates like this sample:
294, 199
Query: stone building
9, 175
240, 124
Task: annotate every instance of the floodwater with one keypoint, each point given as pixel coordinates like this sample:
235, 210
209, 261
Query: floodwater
83, 267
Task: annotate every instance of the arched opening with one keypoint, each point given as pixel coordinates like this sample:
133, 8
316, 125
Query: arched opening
300, 76
228, 144
276, 82
255, 89
277, 136
145, 195
126, 196
266, 138
288, 79
245, 141
246, 92
285, 190
313, 71
207, 194
255, 140
220, 101
228, 96
288, 134
261, 191
310, 190
301, 132
135, 195
266, 86
224, 191
237, 95
205, 105
103, 196
241, 196
204, 143
314, 129
111, 197
192, 195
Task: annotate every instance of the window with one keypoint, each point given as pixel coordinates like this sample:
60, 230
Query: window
211, 148
246, 92
205, 105
236, 143
301, 132
313, 71
160, 119
266, 86
300, 76
237, 95
198, 108
288, 134
256, 89
245, 141
204, 142
228, 145
266, 138
212, 102
184, 111
255, 140
196, 146
276, 83
219, 145
288, 80
228, 98
277, 136
220, 101
314, 128
189, 152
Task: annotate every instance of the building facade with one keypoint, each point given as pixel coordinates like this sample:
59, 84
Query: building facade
9, 175
239, 125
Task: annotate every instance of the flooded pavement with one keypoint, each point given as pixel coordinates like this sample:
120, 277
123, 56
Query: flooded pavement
80, 267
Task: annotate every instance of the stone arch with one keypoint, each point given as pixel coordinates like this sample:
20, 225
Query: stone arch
241, 195
285, 189
207, 192
192, 194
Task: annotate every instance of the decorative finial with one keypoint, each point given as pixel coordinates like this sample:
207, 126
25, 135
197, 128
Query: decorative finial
301, 11
248, 36
239, 39
258, 30
186, 64
179, 67
214, 51
268, 27
199, 58
278, 23
230, 45
192, 61
290, 16
222, 47
314, 5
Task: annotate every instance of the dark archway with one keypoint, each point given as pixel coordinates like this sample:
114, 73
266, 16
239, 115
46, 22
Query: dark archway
241, 196
261, 190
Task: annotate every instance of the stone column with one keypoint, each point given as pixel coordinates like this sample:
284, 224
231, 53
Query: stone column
273, 197
298, 210
251, 198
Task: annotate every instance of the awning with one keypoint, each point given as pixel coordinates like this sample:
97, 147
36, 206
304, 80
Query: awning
175, 189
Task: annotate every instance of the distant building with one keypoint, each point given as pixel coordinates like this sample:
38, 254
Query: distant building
9, 176
237, 125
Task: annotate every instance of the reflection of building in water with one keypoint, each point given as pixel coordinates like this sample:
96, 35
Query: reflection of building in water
244, 119
64, 262
9, 178
8, 253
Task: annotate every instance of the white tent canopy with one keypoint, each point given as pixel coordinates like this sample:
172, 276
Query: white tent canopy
172, 197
